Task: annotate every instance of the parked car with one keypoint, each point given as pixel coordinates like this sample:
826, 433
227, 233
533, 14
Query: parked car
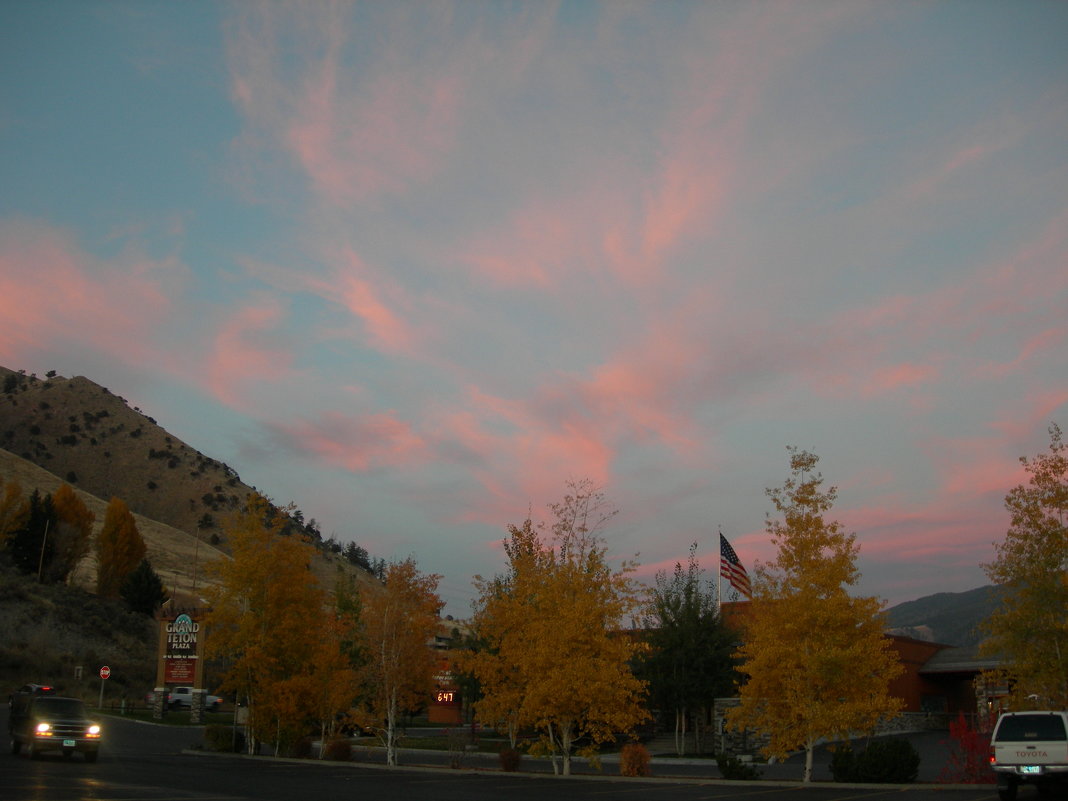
27, 690
1029, 748
182, 697
52, 723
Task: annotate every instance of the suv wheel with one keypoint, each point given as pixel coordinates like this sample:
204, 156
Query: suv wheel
16, 746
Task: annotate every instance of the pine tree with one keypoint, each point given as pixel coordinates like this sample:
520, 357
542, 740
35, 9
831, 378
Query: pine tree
817, 662
142, 589
690, 661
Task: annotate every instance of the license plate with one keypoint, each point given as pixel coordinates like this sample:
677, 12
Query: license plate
69, 743
1030, 768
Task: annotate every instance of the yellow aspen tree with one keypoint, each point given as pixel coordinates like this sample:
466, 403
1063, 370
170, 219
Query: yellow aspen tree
817, 662
14, 510
119, 549
399, 624
556, 659
1030, 626
266, 605
72, 538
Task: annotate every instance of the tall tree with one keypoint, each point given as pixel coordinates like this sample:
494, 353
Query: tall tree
399, 622
119, 548
266, 609
817, 662
30, 544
1030, 626
690, 661
142, 589
555, 659
73, 533
13, 510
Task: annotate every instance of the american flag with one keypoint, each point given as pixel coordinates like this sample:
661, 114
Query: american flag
730, 567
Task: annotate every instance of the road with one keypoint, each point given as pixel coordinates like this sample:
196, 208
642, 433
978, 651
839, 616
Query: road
144, 762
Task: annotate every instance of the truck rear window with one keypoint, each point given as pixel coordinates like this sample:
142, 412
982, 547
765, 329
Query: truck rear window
1029, 728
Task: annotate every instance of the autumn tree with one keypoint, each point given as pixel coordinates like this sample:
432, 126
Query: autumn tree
400, 621
119, 549
1030, 626
266, 618
817, 662
690, 661
555, 659
72, 536
13, 510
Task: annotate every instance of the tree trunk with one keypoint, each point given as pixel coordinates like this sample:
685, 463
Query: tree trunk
391, 731
810, 748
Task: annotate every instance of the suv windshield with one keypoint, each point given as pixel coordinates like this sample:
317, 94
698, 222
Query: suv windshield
1025, 728
60, 707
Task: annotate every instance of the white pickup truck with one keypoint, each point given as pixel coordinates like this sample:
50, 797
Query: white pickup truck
1029, 748
183, 697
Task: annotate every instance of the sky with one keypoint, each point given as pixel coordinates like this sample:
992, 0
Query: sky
413, 266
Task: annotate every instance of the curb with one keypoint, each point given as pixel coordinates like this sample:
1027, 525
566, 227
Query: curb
785, 784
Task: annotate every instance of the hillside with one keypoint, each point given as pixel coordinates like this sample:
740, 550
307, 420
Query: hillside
953, 618
57, 430
91, 438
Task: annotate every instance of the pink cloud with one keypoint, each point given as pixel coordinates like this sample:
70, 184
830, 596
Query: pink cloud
53, 293
247, 351
355, 133
357, 444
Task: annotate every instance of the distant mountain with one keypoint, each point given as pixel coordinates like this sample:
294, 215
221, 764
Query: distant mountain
953, 618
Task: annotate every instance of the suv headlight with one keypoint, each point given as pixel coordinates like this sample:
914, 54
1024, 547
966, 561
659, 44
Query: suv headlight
43, 728
94, 730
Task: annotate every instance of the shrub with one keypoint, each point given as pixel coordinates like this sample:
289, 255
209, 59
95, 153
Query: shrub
969, 751
302, 748
509, 759
634, 760
731, 767
887, 761
224, 738
338, 749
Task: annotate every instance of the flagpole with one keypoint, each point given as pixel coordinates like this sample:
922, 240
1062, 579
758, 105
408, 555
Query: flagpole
719, 577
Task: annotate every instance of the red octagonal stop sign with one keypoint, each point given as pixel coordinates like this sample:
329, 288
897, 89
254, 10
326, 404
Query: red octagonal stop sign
105, 672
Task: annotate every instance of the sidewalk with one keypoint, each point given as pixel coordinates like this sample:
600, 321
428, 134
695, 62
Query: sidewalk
934, 755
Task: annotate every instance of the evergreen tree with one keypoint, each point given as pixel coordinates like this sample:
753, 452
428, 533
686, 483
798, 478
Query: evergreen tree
690, 661
32, 545
142, 590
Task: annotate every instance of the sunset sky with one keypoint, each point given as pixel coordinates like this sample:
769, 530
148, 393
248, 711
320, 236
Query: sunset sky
412, 266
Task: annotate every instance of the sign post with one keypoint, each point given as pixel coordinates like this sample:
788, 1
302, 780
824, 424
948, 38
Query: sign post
105, 674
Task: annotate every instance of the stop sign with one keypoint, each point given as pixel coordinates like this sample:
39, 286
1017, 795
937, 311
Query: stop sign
105, 672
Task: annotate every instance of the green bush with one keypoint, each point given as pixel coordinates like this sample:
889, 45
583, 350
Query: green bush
509, 759
886, 761
338, 749
730, 767
634, 760
224, 739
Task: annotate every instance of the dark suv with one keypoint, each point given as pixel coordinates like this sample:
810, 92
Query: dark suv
52, 723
